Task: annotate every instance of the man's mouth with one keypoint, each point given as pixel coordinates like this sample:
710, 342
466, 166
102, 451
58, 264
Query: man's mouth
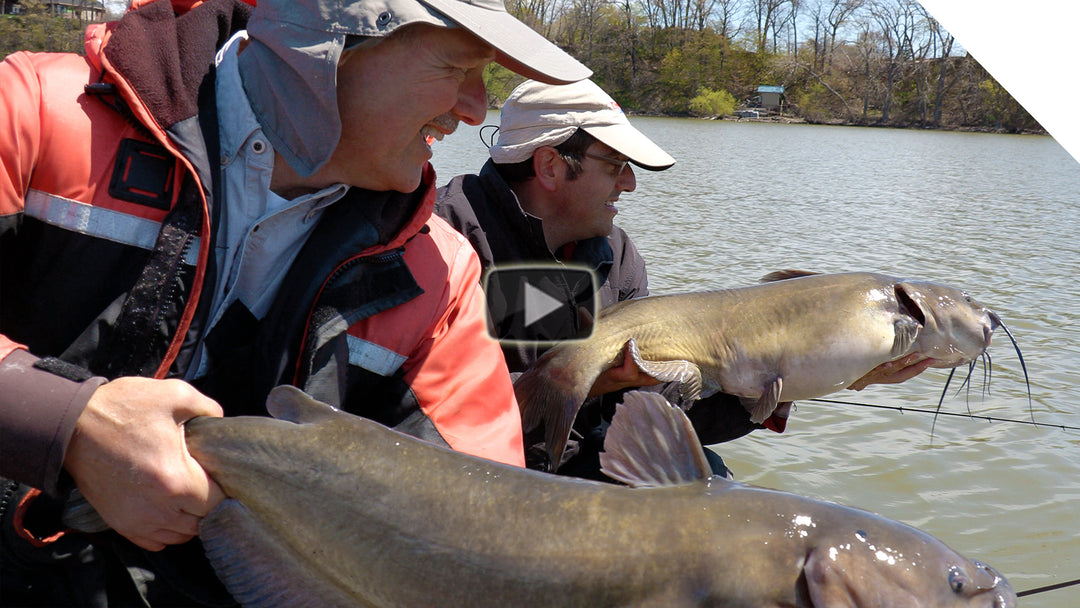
431, 134
438, 128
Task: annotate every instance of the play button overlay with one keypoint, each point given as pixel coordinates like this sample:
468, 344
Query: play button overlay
540, 303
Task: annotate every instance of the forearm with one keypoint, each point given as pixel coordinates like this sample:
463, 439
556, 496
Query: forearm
39, 405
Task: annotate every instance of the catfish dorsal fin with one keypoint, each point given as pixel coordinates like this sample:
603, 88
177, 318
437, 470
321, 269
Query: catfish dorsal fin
294, 405
651, 443
781, 275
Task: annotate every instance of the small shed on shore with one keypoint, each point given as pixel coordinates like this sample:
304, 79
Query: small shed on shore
771, 97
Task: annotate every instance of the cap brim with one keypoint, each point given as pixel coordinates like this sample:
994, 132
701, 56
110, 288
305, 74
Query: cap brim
633, 144
518, 47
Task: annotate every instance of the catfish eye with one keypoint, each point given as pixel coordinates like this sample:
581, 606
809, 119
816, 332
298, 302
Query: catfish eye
957, 580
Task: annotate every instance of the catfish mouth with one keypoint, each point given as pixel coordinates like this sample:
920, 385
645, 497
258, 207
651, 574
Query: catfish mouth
908, 305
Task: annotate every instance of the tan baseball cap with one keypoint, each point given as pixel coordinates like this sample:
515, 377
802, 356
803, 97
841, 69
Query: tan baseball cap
538, 114
290, 65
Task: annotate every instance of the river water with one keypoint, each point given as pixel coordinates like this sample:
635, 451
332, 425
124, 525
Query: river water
998, 215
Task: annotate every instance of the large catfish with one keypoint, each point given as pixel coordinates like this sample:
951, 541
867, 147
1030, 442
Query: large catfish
329, 509
797, 336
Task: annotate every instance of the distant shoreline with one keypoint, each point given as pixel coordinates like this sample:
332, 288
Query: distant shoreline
795, 120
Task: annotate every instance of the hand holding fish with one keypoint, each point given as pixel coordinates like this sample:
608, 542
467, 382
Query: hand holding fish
129, 459
796, 336
895, 372
625, 374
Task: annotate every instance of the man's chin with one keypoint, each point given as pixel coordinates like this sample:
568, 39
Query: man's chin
409, 182
402, 179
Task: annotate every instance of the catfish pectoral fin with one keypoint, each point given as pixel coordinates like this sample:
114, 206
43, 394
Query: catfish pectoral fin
825, 581
766, 404
905, 332
686, 373
257, 569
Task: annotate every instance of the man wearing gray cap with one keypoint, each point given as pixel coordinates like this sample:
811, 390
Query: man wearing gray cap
215, 200
548, 195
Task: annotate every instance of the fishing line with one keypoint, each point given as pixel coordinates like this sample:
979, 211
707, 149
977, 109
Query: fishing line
902, 409
1049, 588
938, 412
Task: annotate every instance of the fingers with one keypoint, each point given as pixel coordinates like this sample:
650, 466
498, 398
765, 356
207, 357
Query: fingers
129, 458
909, 371
185, 528
624, 374
894, 372
159, 528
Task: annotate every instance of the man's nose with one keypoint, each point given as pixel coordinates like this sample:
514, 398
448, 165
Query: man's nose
627, 181
471, 107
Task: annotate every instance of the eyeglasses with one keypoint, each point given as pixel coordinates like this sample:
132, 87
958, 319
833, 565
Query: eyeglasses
619, 165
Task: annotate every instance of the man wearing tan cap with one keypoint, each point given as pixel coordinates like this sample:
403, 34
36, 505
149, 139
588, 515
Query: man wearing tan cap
218, 199
563, 158
549, 193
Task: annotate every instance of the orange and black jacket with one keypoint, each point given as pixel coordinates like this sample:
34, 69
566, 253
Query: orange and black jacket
107, 215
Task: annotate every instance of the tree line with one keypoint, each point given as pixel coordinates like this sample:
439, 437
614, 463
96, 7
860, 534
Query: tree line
36, 28
863, 62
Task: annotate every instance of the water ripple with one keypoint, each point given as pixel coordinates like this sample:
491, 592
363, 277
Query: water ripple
995, 214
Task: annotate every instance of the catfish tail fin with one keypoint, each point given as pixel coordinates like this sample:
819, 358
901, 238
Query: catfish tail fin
550, 393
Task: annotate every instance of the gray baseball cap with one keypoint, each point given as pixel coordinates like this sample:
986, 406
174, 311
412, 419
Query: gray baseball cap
289, 67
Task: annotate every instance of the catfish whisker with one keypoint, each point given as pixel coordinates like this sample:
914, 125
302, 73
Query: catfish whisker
937, 410
968, 382
1023, 366
965, 386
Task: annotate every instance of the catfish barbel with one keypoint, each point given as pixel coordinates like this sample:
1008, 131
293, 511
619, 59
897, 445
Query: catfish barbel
788, 339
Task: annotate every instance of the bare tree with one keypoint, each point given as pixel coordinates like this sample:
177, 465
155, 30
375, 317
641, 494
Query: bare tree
939, 36
793, 21
700, 12
897, 20
818, 36
867, 52
660, 14
782, 23
727, 12
585, 16
765, 14
840, 11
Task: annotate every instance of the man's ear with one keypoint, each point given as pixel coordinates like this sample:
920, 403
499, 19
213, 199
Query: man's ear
549, 167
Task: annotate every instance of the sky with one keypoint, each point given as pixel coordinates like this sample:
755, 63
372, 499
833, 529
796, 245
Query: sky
1030, 48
